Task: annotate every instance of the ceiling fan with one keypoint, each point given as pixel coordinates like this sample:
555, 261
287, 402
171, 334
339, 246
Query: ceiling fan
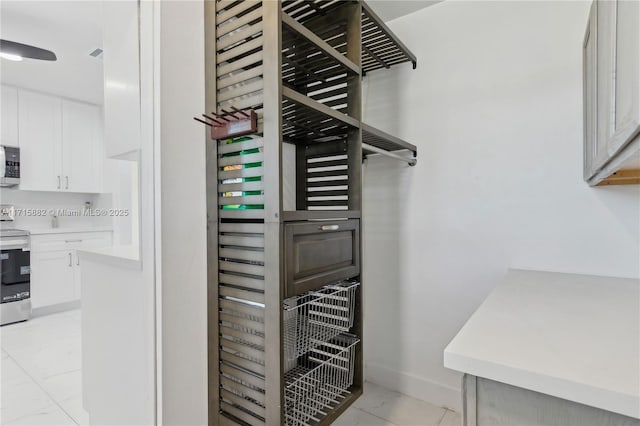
14, 51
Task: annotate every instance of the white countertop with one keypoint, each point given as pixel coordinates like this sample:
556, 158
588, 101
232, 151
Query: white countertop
575, 337
123, 255
68, 230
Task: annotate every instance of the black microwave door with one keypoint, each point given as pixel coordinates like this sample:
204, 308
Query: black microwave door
16, 266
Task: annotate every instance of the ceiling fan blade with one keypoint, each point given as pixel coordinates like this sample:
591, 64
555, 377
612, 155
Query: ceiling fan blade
26, 51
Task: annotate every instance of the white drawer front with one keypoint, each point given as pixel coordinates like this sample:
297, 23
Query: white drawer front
70, 241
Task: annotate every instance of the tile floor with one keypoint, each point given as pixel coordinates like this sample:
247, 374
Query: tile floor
41, 382
379, 406
40, 372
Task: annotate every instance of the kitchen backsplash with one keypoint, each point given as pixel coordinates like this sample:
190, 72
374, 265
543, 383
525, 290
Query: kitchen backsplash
34, 209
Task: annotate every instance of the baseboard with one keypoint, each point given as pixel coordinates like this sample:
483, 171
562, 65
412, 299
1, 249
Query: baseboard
54, 309
414, 386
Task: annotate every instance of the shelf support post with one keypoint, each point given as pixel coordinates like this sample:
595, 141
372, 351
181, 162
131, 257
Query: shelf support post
273, 238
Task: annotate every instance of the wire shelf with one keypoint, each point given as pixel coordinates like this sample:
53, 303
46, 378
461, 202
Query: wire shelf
320, 381
317, 317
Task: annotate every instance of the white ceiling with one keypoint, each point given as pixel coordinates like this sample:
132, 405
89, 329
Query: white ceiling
392, 9
71, 29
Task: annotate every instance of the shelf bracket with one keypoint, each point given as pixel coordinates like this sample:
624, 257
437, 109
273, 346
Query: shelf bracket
412, 161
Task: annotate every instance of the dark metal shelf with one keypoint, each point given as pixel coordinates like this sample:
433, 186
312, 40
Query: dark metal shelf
305, 10
300, 215
380, 46
317, 54
384, 141
304, 118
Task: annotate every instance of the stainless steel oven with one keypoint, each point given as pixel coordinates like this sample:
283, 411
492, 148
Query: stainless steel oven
15, 289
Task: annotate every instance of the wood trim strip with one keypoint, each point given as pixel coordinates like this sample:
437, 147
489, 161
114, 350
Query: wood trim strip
622, 177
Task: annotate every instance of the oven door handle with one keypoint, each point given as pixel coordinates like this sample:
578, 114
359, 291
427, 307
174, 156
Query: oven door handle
15, 244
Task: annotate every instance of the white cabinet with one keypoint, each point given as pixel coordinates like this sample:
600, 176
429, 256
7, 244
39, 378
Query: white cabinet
52, 278
55, 265
490, 403
40, 138
590, 99
60, 144
9, 121
611, 88
605, 24
82, 154
627, 74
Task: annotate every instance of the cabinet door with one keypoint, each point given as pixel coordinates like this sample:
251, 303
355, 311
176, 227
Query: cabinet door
39, 126
627, 73
605, 73
52, 278
589, 93
81, 147
320, 253
9, 123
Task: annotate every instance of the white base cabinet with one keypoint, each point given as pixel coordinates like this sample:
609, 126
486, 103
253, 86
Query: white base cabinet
52, 278
55, 266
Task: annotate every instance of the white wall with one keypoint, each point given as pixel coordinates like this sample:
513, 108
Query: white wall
183, 215
55, 200
495, 108
122, 182
119, 367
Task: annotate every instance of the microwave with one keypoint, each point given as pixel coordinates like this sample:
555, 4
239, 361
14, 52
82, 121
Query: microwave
9, 165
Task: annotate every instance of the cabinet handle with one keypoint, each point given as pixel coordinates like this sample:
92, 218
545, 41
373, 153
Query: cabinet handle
77, 260
70, 263
58, 182
67, 178
72, 241
329, 227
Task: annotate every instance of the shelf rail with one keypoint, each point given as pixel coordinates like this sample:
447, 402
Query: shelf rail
412, 161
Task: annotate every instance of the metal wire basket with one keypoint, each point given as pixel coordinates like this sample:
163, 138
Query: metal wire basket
320, 381
316, 317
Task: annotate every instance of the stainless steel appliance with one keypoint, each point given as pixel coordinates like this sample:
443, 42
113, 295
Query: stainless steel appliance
15, 270
9, 165
16, 276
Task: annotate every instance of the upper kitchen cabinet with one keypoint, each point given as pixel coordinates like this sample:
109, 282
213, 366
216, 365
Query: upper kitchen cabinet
612, 93
9, 123
82, 151
121, 79
627, 74
40, 138
60, 144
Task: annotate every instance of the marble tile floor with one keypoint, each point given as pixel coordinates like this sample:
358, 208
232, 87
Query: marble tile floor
380, 406
41, 382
